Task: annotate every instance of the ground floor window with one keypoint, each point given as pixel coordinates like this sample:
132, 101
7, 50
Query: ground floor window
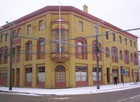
3, 79
94, 74
114, 73
81, 73
40, 74
28, 74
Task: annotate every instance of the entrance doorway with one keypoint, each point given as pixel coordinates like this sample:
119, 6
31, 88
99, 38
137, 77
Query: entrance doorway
108, 75
17, 77
60, 76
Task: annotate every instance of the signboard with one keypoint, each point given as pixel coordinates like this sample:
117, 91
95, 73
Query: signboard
122, 71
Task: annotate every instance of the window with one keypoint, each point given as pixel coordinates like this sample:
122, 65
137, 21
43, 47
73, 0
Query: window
5, 55
29, 29
131, 56
114, 37
41, 48
131, 43
81, 48
19, 32
126, 41
64, 37
135, 59
81, 73
6, 37
0, 55
13, 53
135, 44
120, 38
94, 74
14, 34
107, 52
94, 51
40, 74
114, 55
107, 37
2, 38
28, 74
18, 51
41, 25
80, 25
121, 54
126, 57
28, 55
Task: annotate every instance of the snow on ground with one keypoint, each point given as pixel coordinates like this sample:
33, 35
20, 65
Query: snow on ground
70, 91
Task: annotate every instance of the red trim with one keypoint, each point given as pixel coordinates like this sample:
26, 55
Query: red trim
40, 84
28, 84
65, 8
81, 83
95, 82
61, 84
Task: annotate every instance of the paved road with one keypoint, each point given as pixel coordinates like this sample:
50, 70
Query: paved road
132, 95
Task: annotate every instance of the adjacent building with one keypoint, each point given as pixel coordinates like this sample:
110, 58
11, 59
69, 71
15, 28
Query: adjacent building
54, 47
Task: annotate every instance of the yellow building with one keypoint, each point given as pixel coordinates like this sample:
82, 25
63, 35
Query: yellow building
54, 47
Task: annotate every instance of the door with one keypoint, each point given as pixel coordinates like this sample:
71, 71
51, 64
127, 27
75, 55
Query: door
60, 76
108, 75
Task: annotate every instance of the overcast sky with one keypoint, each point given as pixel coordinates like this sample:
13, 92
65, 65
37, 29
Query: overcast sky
124, 14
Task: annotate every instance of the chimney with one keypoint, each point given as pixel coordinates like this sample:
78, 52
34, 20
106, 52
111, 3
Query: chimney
85, 8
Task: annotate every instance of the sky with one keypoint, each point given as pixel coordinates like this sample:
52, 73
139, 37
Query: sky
124, 14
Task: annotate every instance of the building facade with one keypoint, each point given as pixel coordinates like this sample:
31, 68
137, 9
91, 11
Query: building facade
54, 47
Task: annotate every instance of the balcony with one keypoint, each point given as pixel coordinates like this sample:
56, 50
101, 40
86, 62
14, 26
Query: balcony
60, 57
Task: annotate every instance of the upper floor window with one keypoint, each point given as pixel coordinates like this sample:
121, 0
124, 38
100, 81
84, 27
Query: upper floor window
94, 51
131, 43
107, 52
114, 38
107, 37
55, 37
14, 34
135, 44
121, 54
126, 41
131, 55
80, 25
2, 38
126, 57
18, 51
41, 48
114, 55
41, 25
120, 38
135, 59
19, 33
6, 37
29, 29
81, 48
28, 55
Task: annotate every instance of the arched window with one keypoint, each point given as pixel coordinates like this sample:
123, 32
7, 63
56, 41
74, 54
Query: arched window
135, 59
107, 52
28, 48
94, 51
41, 48
114, 55
121, 54
126, 57
81, 48
19, 33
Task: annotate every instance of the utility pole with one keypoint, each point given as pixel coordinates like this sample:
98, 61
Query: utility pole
10, 57
97, 58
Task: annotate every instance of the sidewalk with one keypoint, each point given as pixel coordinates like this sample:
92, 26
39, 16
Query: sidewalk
69, 91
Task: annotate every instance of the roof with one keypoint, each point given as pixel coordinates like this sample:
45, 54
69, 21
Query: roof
66, 8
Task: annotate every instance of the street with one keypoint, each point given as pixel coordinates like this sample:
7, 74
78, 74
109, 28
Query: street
131, 95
